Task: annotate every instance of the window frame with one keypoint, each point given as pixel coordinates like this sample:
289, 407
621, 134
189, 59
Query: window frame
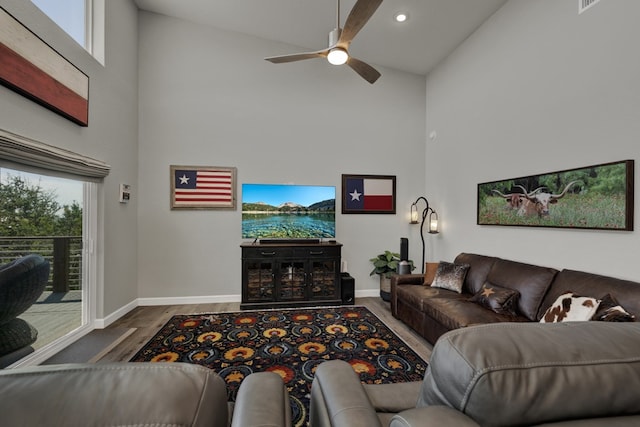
29, 155
94, 28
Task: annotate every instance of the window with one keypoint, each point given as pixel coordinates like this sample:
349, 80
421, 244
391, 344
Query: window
83, 20
66, 173
44, 214
70, 15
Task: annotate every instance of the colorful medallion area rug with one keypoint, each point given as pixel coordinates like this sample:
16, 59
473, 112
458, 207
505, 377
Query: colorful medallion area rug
290, 342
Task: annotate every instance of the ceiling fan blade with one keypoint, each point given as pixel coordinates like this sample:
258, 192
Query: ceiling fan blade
365, 70
298, 56
359, 15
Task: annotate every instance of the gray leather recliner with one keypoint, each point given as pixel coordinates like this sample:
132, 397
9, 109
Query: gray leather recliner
138, 394
574, 374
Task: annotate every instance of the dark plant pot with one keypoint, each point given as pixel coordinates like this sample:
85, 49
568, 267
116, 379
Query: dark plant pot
385, 288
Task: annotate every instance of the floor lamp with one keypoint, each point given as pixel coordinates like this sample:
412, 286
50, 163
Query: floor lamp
433, 221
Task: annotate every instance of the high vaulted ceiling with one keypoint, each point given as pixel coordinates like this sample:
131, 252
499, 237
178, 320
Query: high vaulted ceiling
434, 28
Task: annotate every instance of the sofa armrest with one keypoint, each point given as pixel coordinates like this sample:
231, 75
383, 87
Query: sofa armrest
407, 279
393, 397
262, 400
401, 280
432, 416
338, 398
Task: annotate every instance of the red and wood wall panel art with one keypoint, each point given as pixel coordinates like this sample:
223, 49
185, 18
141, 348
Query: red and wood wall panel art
32, 68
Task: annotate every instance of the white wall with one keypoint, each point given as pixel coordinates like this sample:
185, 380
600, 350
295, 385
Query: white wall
536, 89
111, 135
207, 97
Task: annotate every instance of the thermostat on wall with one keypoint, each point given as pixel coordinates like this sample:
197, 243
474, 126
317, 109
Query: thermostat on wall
125, 193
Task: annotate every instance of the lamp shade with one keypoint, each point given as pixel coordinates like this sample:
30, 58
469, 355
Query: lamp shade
433, 222
414, 214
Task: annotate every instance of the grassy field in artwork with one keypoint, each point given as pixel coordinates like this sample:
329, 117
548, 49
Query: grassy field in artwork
574, 210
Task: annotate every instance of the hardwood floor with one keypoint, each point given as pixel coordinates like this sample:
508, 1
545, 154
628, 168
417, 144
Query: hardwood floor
148, 320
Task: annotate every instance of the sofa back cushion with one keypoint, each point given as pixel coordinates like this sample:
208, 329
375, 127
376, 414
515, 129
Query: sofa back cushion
531, 281
508, 374
625, 292
479, 267
118, 394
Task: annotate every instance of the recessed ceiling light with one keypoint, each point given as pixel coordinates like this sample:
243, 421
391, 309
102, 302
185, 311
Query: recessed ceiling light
401, 17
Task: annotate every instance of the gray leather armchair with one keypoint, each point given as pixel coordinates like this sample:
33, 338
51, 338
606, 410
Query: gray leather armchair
504, 374
138, 394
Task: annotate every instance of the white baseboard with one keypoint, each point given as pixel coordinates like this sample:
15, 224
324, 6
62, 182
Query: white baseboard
189, 300
368, 293
104, 322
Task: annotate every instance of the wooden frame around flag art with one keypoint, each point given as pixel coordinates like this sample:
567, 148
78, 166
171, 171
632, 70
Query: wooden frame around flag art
35, 70
203, 187
368, 194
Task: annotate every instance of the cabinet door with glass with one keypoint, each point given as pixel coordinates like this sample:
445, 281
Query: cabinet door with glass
260, 281
292, 281
322, 278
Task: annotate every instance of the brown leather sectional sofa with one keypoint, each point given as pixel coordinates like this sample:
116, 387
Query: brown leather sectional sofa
433, 311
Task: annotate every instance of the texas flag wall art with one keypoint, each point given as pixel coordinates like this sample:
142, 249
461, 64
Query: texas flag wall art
203, 187
369, 194
32, 68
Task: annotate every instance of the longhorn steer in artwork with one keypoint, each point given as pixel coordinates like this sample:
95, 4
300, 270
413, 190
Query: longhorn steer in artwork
515, 200
535, 202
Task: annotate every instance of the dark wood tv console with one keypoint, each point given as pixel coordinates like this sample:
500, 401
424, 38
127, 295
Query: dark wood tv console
290, 274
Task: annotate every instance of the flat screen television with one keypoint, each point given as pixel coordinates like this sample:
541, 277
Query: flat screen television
282, 211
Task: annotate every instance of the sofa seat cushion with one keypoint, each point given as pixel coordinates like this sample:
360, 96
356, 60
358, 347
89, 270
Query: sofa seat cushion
416, 296
533, 373
454, 313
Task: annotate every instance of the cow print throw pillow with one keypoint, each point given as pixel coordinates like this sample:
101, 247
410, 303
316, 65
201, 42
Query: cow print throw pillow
611, 311
569, 307
450, 276
496, 298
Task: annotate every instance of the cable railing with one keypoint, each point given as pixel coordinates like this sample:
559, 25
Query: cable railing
64, 254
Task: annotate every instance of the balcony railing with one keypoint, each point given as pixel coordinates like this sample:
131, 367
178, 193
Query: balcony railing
63, 252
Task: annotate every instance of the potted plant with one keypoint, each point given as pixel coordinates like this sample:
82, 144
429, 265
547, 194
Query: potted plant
386, 265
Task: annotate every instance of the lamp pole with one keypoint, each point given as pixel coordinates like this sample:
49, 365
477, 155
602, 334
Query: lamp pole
414, 220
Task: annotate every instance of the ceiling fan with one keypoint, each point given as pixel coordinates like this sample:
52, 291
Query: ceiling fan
339, 40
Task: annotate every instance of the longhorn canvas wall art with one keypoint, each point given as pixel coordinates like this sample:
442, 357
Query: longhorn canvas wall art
598, 197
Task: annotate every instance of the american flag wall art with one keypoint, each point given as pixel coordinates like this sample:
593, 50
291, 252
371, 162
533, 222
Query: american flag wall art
203, 187
369, 194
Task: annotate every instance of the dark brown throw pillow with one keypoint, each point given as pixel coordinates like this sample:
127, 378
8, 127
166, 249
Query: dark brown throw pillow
610, 310
496, 298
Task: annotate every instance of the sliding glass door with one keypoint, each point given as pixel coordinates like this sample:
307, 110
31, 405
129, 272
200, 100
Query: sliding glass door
47, 215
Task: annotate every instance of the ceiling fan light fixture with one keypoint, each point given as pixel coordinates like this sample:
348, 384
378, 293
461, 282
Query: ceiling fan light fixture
337, 56
401, 17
